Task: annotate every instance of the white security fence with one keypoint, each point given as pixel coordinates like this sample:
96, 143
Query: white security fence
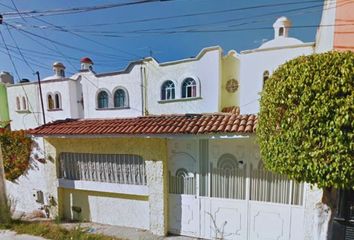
230, 183
111, 168
235, 202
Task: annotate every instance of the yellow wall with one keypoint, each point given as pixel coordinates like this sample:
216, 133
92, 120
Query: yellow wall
230, 69
147, 148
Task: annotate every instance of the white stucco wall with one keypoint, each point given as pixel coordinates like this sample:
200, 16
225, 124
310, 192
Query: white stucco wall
130, 81
205, 69
325, 32
113, 209
27, 118
254, 63
39, 177
69, 99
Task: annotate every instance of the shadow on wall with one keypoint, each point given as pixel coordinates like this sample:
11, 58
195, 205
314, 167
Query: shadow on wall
75, 206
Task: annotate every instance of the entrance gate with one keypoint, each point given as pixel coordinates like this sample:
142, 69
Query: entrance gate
228, 201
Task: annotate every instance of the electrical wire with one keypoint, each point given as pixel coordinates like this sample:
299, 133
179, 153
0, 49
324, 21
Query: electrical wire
18, 75
18, 49
52, 12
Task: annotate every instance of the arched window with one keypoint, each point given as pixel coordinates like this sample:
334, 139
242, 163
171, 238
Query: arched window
24, 103
50, 102
120, 98
182, 173
168, 90
227, 161
189, 88
18, 104
265, 76
102, 99
281, 32
62, 73
57, 101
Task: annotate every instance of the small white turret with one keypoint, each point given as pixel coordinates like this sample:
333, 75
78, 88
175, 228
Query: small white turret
281, 27
86, 64
6, 77
59, 69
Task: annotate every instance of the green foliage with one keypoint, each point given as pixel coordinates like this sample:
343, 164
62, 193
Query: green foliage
16, 149
305, 127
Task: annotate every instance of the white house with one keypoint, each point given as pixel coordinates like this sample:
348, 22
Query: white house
164, 145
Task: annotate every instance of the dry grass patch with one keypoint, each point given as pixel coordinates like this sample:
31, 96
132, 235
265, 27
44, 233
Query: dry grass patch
53, 231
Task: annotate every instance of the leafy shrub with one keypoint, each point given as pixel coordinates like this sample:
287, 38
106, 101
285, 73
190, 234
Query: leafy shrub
16, 150
306, 120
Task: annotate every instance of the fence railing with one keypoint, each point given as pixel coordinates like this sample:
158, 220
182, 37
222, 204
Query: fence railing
228, 183
182, 184
231, 183
111, 168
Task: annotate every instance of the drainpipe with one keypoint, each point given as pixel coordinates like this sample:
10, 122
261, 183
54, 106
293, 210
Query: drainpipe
142, 91
146, 112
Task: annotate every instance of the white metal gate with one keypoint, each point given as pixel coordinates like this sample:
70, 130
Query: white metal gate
232, 202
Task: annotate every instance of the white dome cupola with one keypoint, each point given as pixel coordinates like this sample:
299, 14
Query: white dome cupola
59, 69
281, 27
86, 64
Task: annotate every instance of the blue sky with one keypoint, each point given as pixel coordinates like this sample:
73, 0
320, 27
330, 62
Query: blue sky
111, 46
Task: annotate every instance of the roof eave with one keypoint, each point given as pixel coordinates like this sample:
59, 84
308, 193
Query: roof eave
166, 136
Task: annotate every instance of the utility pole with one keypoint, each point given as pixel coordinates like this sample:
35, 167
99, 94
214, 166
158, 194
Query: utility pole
41, 96
5, 215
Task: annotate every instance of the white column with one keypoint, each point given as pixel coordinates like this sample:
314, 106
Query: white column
156, 181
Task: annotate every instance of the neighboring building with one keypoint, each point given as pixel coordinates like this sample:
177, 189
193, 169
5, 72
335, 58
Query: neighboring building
5, 79
258, 64
336, 31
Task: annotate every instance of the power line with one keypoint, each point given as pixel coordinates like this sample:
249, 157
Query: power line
18, 49
62, 11
59, 43
9, 55
13, 3
147, 31
15, 68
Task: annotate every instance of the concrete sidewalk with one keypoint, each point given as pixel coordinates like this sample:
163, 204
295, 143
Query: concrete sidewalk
9, 235
121, 232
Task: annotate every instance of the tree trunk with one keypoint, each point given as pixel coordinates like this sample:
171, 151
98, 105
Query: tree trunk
329, 198
5, 216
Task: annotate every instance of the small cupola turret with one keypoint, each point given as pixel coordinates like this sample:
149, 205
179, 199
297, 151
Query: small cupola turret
281, 27
59, 69
6, 77
86, 64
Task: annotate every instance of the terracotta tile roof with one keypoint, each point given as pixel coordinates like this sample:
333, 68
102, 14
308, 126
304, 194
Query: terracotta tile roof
232, 109
152, 125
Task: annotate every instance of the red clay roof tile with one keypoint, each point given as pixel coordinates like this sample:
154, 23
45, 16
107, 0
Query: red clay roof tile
162, 124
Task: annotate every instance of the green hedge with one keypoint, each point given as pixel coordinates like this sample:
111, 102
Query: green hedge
306, 122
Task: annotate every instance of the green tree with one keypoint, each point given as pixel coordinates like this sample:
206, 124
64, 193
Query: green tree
306, 122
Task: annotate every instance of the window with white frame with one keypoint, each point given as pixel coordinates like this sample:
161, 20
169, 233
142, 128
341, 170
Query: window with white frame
120, 98
18, 104
102, 99
50, 102
54, 101
189, 88
57, 101
265, 76
168, 90
24, 103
